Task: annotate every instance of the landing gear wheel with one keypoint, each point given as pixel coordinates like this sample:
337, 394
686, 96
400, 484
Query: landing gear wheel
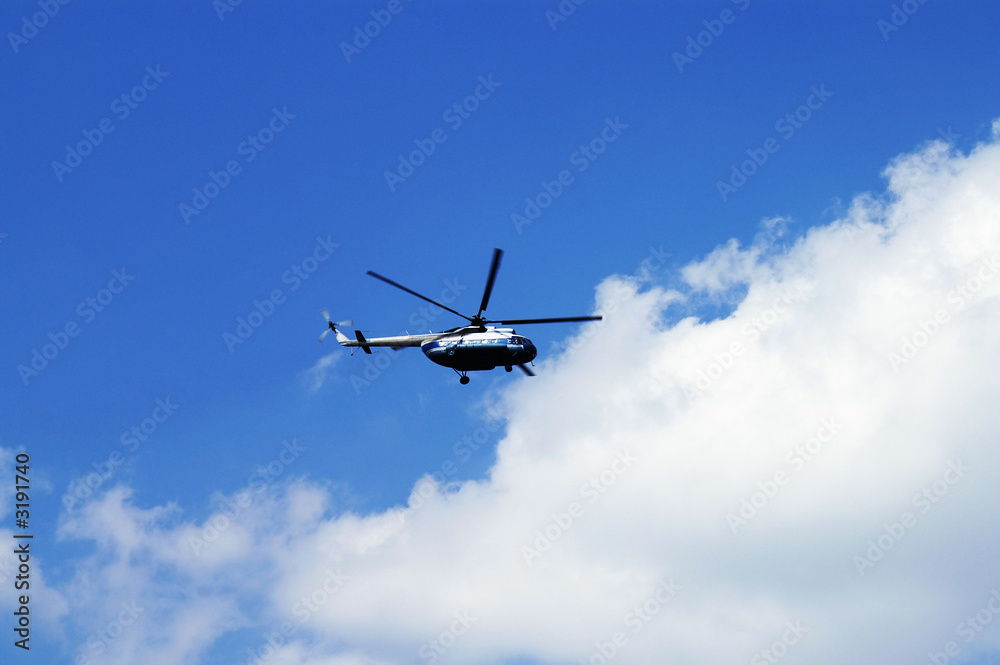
507, 368
463, 380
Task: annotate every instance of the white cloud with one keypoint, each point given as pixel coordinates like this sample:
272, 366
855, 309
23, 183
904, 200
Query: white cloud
628, 464
316, 375
728, 266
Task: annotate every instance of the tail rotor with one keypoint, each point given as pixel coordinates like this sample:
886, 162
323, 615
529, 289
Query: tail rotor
331, 325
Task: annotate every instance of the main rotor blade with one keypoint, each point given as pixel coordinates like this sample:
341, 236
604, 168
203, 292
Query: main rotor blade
564, 319
494, 266
414, 293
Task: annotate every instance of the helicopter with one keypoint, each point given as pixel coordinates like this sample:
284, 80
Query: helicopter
476, 346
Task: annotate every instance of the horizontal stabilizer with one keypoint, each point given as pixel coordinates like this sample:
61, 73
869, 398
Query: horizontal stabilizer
362, 341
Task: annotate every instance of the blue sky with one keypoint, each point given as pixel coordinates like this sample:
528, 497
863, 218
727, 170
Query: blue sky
165, 97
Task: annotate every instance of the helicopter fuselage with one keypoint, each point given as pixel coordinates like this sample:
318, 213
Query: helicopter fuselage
475, 351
